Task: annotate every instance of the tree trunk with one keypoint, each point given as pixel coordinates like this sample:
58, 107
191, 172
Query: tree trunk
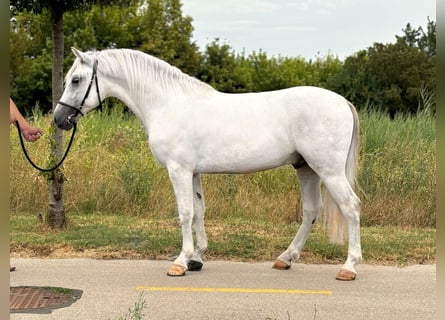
56, 209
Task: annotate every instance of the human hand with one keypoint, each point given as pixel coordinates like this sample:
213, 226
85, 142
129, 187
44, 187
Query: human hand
31, 134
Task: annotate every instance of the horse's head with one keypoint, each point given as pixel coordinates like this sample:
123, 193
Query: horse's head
81, 92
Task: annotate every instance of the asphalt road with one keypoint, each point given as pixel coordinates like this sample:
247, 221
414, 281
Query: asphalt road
231, 290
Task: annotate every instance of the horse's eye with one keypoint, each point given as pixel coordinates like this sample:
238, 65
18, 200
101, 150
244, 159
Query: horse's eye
75, 80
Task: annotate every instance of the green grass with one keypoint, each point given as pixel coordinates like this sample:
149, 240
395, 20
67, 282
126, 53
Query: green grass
398, 170
120, 236
136, 313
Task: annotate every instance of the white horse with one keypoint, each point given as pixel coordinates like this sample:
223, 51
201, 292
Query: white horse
195, 129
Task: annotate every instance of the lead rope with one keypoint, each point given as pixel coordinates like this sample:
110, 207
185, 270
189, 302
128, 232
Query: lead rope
29, 159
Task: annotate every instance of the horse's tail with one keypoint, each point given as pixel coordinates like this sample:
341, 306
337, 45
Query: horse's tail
333, 218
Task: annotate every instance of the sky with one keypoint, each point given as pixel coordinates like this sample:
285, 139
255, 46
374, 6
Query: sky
305, 28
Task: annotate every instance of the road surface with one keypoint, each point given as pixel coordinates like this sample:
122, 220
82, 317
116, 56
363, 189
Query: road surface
230, 290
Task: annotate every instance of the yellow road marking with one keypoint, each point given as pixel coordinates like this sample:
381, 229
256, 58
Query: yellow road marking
236, 290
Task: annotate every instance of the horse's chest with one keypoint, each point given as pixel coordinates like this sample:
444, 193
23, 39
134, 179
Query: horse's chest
171, 147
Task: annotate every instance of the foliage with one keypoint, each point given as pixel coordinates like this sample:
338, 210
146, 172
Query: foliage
30, 67
418, 38
156, 27
227, 71
391, 77
220, 69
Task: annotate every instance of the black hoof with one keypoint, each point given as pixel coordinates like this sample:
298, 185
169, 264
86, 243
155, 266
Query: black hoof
194, 265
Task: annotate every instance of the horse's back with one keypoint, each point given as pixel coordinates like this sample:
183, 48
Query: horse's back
313, 102
255, 131
317, 123
306, 113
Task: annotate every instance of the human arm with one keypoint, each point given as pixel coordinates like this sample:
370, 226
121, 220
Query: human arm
29, 132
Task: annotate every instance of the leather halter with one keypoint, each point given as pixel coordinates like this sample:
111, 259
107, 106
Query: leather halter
79, 109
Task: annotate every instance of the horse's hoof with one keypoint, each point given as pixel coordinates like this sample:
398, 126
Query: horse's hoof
194, 265
346, 275
280, 265
176, 271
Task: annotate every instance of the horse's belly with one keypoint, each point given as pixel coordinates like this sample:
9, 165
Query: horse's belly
246, 158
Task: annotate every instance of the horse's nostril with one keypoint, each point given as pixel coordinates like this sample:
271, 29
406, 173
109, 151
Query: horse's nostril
71, 120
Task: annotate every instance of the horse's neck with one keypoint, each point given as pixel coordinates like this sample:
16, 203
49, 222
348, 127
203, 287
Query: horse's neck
144, 89
140, 95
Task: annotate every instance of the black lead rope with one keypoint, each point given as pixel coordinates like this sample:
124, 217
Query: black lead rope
29, 159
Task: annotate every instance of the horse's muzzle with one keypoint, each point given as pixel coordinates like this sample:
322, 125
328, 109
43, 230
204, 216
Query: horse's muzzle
65, 118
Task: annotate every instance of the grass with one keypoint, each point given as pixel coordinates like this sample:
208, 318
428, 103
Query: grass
136, 313
118, 236
119, 201
398, 170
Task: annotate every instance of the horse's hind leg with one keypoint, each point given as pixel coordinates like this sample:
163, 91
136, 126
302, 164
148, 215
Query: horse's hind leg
311, 196
195, 264
349, 204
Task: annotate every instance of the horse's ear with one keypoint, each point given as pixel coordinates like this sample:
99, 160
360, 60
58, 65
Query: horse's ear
76, 52
82, 56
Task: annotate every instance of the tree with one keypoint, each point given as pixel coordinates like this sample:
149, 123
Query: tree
417, 38
56, 8
92, 24
166, 33
218, 67
156, 27
30, 64
392, 77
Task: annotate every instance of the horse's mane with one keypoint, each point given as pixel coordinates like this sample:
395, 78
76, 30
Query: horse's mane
139, 67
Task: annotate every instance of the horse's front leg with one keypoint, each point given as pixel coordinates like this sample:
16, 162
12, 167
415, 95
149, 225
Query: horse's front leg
196, 262
181, 180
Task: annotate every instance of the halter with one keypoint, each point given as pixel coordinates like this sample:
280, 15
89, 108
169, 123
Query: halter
78, 111
93, 78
